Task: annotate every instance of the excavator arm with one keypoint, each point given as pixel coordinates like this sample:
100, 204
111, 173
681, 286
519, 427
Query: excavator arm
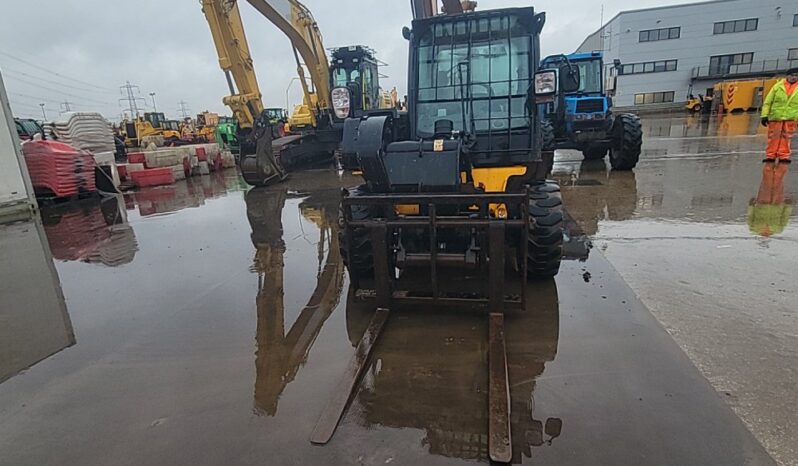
297, 23
235, 60
258, 163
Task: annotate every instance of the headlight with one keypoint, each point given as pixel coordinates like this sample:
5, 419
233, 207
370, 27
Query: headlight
341, 102
545, 83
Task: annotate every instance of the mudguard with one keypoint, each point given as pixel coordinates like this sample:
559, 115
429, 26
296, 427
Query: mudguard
373, 134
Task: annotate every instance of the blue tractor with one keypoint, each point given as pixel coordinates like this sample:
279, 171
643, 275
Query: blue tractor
583, 119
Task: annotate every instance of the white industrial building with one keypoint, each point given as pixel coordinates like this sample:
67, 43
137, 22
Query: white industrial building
667, 52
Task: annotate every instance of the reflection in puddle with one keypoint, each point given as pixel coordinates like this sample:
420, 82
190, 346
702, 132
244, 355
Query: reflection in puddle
429, 372
279, 354
186, 194
92, 230
769, 213
592, 193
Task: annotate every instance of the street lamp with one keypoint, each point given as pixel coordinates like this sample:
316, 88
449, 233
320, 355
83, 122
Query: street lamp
287, 90
154, 108
44, 115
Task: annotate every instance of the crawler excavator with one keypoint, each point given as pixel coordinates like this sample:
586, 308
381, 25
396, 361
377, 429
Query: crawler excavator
348, 88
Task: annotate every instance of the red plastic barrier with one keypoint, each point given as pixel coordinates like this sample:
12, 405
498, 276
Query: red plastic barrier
153, 177
201, 155
136, 157
59, 168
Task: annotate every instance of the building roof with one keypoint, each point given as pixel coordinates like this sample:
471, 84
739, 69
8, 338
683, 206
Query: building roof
665, 7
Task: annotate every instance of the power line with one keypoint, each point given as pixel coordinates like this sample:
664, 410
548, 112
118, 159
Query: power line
12, 72
76, 96
22, 104
51, 71
37, 99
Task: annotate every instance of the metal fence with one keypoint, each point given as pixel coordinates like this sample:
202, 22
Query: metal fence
755, 68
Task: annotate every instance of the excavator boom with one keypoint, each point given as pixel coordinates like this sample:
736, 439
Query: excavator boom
297, 23
235, 60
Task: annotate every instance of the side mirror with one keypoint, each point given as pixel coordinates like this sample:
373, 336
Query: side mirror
569, 78
406, 33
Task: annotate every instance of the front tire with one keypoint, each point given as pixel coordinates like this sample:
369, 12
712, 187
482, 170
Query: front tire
547, 144
627, 142
356, 248
545, 232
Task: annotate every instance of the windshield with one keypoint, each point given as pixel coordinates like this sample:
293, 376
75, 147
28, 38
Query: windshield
28, 127
342, 76
589, 76
495, 53
274, 113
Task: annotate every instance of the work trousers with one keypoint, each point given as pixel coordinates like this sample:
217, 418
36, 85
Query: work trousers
780, 134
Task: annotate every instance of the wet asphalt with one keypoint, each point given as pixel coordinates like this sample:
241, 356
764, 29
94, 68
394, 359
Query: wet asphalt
208, 323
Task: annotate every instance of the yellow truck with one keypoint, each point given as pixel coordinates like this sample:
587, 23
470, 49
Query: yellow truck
741, 95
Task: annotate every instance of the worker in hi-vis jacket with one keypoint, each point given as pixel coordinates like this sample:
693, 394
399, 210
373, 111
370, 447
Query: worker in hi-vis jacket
780, 115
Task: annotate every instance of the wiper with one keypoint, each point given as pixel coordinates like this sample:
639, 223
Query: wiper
468, 135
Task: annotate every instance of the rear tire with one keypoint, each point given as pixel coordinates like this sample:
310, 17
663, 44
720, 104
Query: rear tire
357, 254
627, 142
545, 232
594, 153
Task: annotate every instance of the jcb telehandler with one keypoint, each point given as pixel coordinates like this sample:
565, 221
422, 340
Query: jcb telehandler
455, 184
467, 155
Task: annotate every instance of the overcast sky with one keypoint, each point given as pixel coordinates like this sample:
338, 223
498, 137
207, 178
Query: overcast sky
81, 51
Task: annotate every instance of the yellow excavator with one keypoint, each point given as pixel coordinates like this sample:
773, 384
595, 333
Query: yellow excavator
332, 93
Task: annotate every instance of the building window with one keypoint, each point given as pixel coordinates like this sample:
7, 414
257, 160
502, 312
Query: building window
739, 25
794, 20
654, 98
792, 54
651, 35
720, 64
649, 67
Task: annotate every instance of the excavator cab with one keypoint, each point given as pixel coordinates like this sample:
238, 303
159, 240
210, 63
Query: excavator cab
355, 81
156, 119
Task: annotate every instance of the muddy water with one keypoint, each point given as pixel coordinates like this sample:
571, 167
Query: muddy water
221, 336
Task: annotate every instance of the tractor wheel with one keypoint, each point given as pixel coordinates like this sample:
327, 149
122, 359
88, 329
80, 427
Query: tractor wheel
627, 141
547, 144
545, 233
697, 108
594, 153
547, 137
358, 254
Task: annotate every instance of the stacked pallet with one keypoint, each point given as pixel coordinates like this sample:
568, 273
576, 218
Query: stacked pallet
85, 130
59, 169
